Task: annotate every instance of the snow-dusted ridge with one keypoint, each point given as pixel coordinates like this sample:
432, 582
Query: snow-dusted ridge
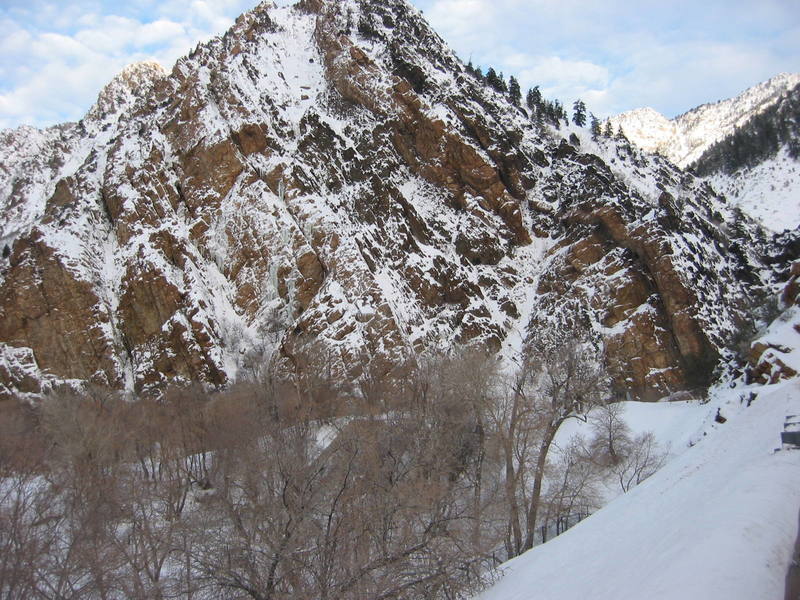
684, 138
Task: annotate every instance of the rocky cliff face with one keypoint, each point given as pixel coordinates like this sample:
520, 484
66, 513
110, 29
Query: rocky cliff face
327, 181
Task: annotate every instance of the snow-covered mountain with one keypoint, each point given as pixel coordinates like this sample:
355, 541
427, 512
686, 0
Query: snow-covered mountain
758, 167
329, 182
326, 190
746, 147
685, 138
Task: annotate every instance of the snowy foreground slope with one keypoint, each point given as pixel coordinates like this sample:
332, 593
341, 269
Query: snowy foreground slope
719, 520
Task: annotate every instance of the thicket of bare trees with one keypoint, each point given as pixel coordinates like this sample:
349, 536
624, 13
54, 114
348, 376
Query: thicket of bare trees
253, 493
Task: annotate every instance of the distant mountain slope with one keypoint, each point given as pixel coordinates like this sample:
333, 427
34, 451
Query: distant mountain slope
757, 139
684, 139
769, 192
758, 166
747, 147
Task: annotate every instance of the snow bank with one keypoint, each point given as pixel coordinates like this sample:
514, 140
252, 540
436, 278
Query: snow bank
718, 521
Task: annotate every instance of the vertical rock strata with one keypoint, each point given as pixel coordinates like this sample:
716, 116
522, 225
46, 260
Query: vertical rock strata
327, 180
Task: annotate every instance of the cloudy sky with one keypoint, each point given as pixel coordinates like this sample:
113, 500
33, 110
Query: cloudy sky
55, 55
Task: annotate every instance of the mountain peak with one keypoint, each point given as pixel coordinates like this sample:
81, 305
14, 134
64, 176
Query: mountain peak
686, 137
645, 110
648, 129
133, 81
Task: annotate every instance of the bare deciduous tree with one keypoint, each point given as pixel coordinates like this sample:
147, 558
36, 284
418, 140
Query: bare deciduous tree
573, 490
239, 495
641, 458
559, 378
612, 434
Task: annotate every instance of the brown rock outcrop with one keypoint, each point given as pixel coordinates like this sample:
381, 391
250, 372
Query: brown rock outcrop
765, 366
619, 293
791, 291
43, 306
655, 262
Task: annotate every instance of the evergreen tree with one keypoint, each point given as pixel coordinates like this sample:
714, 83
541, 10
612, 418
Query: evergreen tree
596, 131
579, 113
546, 112
492, 79
560, 113
556, 110
539, 118
534, 99
609, 131
514, 91
502, 87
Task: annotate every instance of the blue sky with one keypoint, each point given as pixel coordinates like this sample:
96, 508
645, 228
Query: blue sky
56, 55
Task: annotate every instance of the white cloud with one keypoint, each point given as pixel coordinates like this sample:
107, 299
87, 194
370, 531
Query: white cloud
55, 57
109, 36
616, 55
517, 37
462, 18
686, 74
555, 73
213, 13
52, 92
14, 41
160, 32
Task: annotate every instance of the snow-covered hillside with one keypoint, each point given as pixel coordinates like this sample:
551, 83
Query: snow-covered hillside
328, 180
769, 192
718, 521
684, 138
324, 194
